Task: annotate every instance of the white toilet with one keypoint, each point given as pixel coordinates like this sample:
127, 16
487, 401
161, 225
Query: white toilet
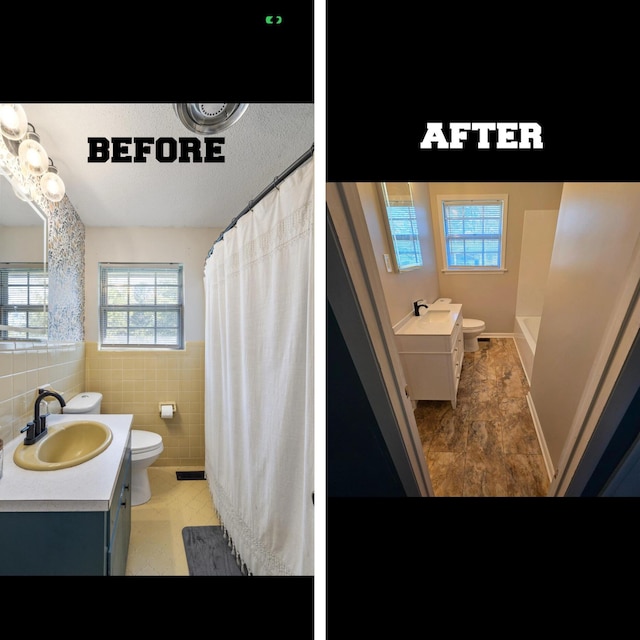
471, 329
146, 446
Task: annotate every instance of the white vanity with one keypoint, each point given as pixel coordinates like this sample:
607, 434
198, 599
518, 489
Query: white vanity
431, 348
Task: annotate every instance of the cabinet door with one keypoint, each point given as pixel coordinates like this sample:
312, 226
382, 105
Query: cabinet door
429, 376
121, 524
49, 543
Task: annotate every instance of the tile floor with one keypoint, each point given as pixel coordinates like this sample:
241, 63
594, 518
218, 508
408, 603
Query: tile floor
156, 547
487, 446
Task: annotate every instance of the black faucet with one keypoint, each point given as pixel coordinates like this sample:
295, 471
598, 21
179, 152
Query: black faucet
416, 307
38, 428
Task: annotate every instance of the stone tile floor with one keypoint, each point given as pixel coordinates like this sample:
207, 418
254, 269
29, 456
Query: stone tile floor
487, 446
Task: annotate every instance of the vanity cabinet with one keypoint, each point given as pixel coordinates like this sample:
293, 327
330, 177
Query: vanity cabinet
78, 543
432, 364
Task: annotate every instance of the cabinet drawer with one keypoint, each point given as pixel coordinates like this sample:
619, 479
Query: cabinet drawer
458, 353
424, 344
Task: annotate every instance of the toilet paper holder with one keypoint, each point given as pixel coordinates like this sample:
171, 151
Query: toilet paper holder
167, 404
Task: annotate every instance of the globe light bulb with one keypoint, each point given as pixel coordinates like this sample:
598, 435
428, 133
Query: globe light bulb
13, 121
52, 185
33, 158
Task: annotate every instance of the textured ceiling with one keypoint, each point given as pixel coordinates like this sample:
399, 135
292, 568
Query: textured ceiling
266, 140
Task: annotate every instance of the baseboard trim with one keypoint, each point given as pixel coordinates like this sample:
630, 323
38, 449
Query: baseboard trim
543, 445
526, 375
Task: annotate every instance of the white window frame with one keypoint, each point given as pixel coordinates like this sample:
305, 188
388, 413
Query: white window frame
471, 198
155, 307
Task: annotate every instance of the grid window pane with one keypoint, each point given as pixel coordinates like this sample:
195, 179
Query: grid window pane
141, 318
167, 319
167, 336
17, 318
116, 319
23, 300
473, 233
404, 233
141, 306
115, 336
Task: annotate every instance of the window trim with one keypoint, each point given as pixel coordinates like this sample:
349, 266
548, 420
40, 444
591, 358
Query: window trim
483, 197
103, 307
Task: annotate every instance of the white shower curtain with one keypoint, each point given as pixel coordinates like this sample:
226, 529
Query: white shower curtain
259, 380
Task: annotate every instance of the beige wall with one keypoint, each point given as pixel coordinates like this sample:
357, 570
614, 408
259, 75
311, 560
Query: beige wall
492, 297
22, 244
538, 236
598, 229
401, 289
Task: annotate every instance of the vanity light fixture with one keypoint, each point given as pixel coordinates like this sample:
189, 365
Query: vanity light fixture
27, 163
51, 184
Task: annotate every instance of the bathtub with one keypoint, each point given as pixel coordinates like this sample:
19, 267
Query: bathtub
525, 333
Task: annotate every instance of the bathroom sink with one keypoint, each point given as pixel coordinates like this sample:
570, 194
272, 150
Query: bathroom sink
65, 445
436, 316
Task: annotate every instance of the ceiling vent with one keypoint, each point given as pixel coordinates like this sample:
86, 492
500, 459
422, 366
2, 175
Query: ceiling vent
205, 118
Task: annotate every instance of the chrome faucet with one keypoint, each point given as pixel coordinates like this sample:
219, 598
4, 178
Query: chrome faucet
416, 307
38, 428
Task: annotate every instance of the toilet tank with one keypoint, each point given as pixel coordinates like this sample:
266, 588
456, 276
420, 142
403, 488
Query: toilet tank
88, 402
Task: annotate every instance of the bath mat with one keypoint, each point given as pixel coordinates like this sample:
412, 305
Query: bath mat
208, 553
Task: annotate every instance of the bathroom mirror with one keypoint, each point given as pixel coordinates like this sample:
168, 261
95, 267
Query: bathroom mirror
401, 224
23, 267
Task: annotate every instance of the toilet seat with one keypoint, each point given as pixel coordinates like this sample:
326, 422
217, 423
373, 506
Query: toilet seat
144, 441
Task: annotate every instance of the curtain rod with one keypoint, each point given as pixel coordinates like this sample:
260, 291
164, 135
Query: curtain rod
300, 161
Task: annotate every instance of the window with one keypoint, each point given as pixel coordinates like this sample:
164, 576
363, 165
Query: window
141, 306
24, 289
402, 224
473, 230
